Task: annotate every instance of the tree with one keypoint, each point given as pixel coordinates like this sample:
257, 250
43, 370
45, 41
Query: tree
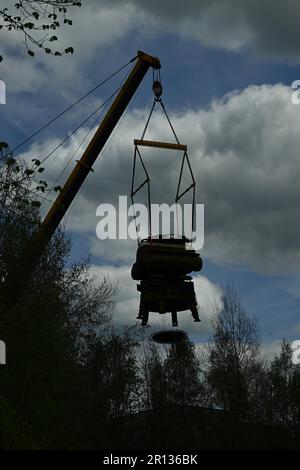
233, 354
182, 370
14, 434
37, 20
49, 329
258, 393
170, 375
112, 374
284, 390
157, 381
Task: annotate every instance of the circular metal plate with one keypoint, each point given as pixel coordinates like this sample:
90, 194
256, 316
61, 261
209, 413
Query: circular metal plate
169, 336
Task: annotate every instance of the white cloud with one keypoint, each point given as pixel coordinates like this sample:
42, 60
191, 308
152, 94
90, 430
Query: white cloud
100, 25
99, 28
244, 150
127, 302
272, 349
92, 32
36, 86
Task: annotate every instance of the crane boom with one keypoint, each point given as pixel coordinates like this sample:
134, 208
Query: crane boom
41, 238
84, 165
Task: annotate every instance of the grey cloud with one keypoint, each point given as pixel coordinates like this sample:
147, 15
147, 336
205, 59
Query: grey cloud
245, 153
269, 29
127, 302
59, 80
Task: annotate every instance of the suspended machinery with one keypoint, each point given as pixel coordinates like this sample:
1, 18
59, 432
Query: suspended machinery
164, 263
162, 266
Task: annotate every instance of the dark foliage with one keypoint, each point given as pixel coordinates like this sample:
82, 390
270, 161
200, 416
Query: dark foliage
74, 382
38, 21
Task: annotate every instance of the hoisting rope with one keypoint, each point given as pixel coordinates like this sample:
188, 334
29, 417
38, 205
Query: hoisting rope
157, 90
103, 106
79, 126
72, 106
79, 146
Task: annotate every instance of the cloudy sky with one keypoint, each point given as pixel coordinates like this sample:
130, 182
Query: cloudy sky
227, 70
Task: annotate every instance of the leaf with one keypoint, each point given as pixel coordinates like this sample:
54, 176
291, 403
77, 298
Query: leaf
31, 53
29, 172
28, 25
40, 170
36, 161
10, 161
36, 15
69, 49
57, 188
1, 58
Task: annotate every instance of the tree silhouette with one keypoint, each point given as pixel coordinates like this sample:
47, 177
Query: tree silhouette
181, 369
50, 326
233, 354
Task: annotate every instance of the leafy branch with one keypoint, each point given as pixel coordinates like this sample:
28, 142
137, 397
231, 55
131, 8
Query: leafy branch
31, 17
16, 175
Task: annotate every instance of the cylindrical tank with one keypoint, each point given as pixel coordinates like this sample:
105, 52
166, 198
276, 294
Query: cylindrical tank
162, 265
165, 257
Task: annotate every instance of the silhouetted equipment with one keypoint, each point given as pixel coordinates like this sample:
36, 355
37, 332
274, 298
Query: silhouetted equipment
16, 279
163, 263
169, 336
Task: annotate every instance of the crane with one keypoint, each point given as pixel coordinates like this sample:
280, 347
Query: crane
20, 275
